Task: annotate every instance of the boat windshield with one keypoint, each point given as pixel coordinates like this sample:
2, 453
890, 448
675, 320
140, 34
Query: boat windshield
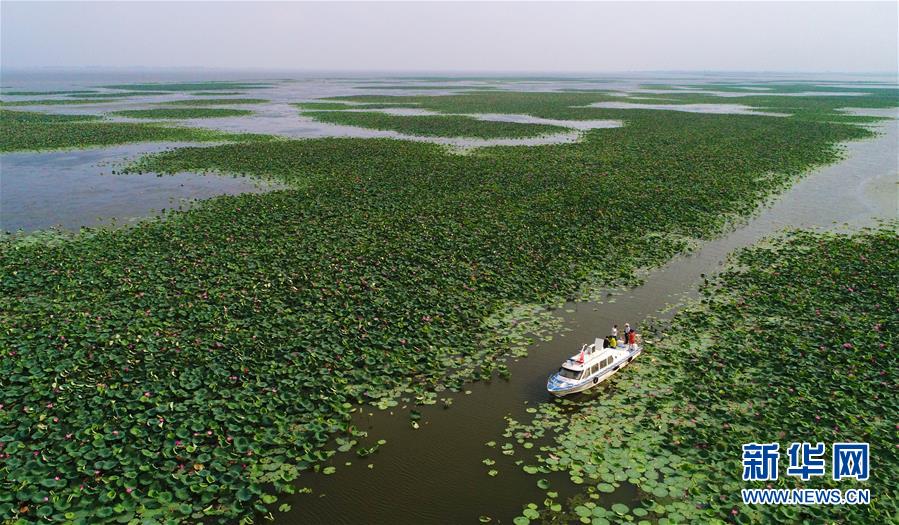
568, 373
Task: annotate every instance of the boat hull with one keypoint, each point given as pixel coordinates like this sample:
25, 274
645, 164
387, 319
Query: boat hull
561, 388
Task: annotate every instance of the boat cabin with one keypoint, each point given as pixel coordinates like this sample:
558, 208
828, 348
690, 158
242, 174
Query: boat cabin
590, 360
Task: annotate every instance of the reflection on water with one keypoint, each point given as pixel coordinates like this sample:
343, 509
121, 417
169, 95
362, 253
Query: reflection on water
434, 475
71, 189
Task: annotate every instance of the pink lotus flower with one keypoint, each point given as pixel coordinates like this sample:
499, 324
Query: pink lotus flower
847, 346
146, 394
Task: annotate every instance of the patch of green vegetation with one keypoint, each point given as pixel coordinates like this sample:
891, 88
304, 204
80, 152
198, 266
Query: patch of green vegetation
811, 107
178, 369
21, 130
182, 113
564, 105
8, 117
54, 102
796, 344
124, 94
434, 125
776, 87
216, 93
191, 86
38, 93
214, 101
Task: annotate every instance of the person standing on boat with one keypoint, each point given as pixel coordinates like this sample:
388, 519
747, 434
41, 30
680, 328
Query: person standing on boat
627, 333
614, 335
632, 340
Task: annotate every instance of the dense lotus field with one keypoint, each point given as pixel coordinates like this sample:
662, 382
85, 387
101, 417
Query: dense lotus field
796, 343
59, 101
567, 105
189, 369
440, 125
60, 92
182, 113
20, 130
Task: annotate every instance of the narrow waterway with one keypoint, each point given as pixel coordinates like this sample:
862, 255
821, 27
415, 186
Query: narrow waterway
434, 474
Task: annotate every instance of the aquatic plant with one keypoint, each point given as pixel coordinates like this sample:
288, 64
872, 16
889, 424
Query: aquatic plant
63, 92
794, 343
55, 101
566, 105
8, 117
182, 113
187, 369
439, 125
20, 130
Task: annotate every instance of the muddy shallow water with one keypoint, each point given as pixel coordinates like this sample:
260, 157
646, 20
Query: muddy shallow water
434, 474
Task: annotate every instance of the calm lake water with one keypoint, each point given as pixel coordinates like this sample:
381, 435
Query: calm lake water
71, 189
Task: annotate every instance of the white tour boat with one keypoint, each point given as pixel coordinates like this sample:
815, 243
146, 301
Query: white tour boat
591, 366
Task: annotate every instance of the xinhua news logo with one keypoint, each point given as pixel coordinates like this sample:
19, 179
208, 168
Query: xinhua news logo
806, 461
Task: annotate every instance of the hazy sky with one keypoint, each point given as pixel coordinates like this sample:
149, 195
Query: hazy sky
432, 36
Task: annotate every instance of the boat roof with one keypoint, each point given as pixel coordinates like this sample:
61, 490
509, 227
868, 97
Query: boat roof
573, 363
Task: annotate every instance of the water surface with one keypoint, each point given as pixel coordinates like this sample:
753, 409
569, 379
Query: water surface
71, 189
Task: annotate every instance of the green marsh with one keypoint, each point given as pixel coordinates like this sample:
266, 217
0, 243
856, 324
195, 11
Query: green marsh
190, 369
794, 343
